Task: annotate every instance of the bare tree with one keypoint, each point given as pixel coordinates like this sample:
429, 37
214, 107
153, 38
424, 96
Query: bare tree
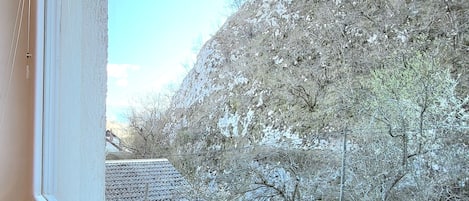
147, 118
415, 102
235, 4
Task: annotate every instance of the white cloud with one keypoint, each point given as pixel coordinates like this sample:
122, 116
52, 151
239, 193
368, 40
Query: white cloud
117, 103
120, 72
122, 82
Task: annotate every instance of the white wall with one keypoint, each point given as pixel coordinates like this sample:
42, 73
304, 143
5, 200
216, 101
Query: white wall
16, 103
111, 148
75, 93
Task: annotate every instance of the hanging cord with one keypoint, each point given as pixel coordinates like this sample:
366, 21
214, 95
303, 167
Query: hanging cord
12, 54
28, 52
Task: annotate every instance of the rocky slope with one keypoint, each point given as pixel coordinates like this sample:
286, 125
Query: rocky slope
261, 112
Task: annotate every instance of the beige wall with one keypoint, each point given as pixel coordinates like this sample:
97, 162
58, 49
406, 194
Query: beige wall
16, 105
74, 97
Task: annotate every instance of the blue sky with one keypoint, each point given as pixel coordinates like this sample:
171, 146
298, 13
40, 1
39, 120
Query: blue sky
150, 40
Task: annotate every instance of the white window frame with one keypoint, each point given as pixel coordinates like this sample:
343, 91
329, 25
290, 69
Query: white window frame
44, 188
39, 103
57, 73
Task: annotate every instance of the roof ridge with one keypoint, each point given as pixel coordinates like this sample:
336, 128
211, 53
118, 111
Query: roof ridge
137, 160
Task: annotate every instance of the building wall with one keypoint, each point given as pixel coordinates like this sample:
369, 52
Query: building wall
16, 102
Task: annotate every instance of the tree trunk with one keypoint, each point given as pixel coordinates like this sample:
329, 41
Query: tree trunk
344, 154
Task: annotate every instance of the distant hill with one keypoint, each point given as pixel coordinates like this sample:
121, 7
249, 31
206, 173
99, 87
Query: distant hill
263, 110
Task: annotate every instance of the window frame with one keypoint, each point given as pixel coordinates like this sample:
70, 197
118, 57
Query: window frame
38, 102
66, 166
45, 115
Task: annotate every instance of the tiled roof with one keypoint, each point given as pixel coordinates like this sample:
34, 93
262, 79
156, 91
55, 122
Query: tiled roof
146, 179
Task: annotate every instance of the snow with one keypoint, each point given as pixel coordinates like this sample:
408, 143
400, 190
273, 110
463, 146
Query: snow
228, 124
372, 39
271, 8
237, 80
111, 148
280, 138
277, 60
402, 35
260, 102
247, 121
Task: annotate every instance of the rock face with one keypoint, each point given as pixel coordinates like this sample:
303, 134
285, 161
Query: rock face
274, 84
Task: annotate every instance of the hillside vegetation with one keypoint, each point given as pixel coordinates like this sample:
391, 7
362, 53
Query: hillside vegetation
324, 100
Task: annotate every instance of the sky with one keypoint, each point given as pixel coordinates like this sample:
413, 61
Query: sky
149, 43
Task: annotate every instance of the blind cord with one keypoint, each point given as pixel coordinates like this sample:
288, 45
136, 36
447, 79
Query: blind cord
12, 54
28, 52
